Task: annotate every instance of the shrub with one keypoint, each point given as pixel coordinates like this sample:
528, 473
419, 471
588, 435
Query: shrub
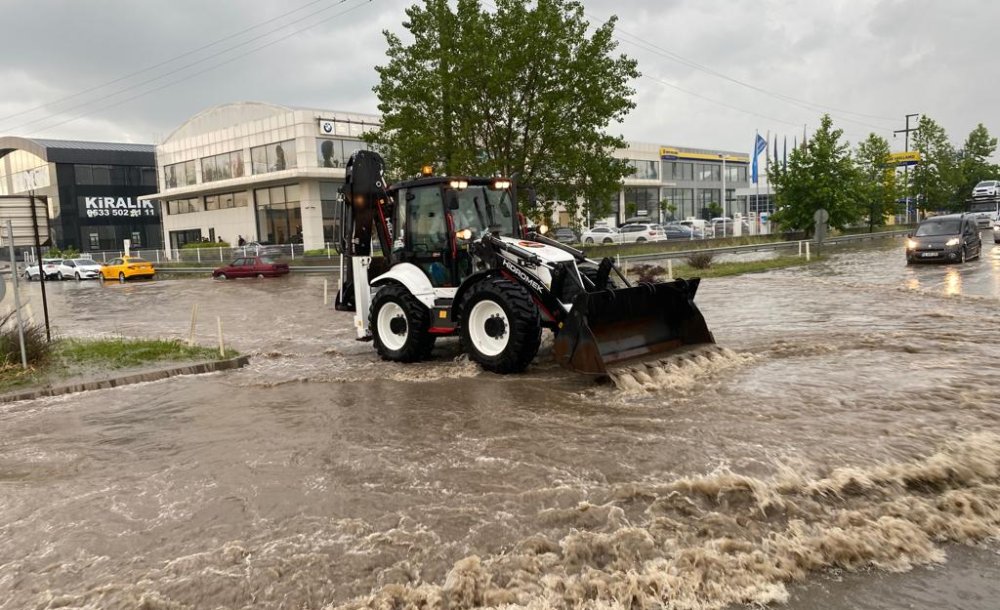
649, 273
192, 245
701, 260
66, 253
36, 347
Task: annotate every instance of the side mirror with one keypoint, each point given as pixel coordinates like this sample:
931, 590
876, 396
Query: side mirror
532, 196
452, 199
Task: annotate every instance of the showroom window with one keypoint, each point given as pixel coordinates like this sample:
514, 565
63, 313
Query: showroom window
273, 157
184, 206
335, 152
179, 174
222, 167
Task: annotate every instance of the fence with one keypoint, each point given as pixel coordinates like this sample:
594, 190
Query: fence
203, 255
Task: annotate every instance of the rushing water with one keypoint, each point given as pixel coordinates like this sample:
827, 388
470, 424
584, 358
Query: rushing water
841, 451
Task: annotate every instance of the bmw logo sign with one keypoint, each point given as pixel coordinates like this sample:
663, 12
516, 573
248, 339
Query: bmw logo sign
327, 126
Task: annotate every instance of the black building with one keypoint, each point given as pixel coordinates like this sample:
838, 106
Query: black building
92, 188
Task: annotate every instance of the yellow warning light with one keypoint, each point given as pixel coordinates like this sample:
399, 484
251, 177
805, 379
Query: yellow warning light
427, 170
442, 314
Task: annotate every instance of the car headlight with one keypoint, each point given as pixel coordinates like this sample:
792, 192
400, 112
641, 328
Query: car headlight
996, 228
952, 242
911, 244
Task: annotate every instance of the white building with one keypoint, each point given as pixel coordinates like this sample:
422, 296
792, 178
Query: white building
265, 172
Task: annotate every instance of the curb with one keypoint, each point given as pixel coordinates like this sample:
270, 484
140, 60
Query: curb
114, 382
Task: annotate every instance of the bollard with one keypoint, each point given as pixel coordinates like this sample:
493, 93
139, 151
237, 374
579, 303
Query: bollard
800, 248
194, 316
198, 252
157, 257
222, 345
220, 254
670, 268
328, 254
326, 300
807, 252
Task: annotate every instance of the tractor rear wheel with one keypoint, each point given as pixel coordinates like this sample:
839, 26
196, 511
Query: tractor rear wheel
500, 326
400, 325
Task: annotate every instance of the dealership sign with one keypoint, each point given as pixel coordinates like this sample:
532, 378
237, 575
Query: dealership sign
98, 207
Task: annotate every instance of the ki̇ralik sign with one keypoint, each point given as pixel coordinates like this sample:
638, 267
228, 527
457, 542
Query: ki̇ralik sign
101, 207
17, 209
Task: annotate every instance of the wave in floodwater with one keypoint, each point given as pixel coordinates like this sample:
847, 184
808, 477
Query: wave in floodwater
677, 372
706, 542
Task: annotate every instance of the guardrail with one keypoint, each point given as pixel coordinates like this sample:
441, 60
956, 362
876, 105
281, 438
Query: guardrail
208, 270
764, 246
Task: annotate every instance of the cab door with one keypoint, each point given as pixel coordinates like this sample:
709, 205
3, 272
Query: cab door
423, 235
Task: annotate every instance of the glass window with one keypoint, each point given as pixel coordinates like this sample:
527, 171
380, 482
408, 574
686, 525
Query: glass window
211, 202
643, 170
709, 172
273, 157
147, 176
222, 167
680, 202
184, 206
84, 174
334, 152
102, 174
180, 174
240, 199
279, 214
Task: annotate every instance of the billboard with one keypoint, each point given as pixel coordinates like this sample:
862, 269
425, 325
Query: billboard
17, 209
902, 159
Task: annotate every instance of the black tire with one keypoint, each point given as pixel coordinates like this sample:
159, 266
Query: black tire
608, 240
260, 276
121, 277
59, 276
223, 276
640, 240
77, 277
590, 240
518, 331
27, 276
408, 339
962, 257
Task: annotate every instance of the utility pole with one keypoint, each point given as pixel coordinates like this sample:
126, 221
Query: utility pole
906, 168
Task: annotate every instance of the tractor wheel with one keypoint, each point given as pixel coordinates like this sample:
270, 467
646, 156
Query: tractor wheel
500, 326
400, 325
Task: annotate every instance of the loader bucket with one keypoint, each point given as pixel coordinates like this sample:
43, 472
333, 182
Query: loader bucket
619, 327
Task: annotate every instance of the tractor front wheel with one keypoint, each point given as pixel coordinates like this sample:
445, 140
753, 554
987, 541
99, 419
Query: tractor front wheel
500, 326
400, 325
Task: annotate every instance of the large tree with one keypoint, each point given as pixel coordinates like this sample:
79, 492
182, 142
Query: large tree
937, 176
822, 174
876, 179
974, 163
521, 91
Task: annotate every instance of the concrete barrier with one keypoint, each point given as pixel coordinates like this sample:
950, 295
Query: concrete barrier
128, 379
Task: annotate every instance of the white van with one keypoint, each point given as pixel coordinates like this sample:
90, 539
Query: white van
698, 224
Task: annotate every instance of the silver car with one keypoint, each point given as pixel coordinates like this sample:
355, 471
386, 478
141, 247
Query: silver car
79, 269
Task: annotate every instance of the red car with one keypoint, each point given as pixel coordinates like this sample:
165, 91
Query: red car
251, 266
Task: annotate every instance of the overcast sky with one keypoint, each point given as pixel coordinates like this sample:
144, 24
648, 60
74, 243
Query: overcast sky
713, 72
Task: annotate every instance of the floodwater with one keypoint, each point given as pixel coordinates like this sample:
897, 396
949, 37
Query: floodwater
841, 451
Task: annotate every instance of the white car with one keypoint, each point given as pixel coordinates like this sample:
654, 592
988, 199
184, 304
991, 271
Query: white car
51, 266
986, 188
601, 235
644, 231
79, 269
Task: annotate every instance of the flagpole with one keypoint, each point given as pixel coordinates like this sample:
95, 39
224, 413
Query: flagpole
757, 183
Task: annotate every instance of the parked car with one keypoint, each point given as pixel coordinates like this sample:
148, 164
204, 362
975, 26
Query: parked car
986, 188
954, 237
251, 266
996, 232
722, 227
564, 235
79, 269
678, 231
640, 232
126, 268
51, 266
602, 235
261, 248
698, 225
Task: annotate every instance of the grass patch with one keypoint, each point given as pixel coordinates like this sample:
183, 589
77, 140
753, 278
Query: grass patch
120, 353
739, 268
71, 357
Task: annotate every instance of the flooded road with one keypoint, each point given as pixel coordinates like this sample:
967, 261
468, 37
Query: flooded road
841, 452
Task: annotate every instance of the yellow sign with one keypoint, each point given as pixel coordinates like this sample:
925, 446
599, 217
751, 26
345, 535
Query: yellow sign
905, 158
669, 153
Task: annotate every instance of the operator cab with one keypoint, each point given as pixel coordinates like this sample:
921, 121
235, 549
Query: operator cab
436, 219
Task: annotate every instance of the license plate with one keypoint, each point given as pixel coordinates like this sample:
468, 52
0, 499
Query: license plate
928, 254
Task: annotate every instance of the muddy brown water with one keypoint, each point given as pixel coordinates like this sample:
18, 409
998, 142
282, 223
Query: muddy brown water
841, 452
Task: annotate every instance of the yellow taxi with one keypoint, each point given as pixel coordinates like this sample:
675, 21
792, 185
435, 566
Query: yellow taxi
127, 267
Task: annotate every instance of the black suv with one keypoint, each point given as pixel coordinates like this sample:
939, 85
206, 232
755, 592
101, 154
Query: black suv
954, 238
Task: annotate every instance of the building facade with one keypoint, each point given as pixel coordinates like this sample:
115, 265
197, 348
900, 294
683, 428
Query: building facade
94, 190
674, 182
262, 172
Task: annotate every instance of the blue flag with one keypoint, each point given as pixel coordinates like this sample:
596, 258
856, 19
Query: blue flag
759, 146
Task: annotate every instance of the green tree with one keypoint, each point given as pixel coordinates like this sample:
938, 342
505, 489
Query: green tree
974, 162
821, 174
876, 179
521, 91
937, 176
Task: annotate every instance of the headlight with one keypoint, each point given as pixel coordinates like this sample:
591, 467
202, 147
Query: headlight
996, 228
952, 242
911, 244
